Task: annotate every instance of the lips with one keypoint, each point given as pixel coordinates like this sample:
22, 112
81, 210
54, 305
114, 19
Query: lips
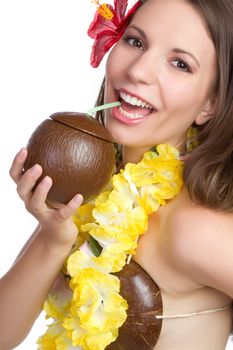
134, 100
129, 108
133, 109
127, 118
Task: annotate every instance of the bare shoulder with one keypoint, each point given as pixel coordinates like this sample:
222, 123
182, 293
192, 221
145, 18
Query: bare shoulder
201, 242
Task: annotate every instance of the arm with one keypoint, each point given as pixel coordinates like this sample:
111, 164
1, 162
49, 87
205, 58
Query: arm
203, 247
25, 286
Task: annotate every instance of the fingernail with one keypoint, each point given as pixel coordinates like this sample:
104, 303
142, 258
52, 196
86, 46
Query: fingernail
21, 153
47, 180
34, 169
78, 198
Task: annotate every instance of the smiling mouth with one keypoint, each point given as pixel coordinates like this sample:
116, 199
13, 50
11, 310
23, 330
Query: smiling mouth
134, 108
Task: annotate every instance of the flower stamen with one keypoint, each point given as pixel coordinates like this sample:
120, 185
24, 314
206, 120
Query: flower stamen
103, 10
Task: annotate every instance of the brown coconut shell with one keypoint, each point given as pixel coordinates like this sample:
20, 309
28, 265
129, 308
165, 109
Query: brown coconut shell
76, 151
141, 329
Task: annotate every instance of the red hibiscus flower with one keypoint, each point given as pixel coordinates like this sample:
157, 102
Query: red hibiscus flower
107, 32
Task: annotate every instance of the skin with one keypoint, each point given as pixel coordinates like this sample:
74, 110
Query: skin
176, 250
151, 69
40, 261
190, 272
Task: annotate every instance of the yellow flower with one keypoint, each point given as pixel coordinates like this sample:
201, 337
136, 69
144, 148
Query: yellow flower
56, 339
146, 176
115, 224
80, 260
88, 341
102, 198
192, 139
98, 301
99, 341
114, 261
97, 310
58, 300
56, 306
48, 340
75, 331
91, 310
83, 214
77, 261
167, 152
121, 193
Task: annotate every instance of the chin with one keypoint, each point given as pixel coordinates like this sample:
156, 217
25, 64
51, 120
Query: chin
119, 138
120, 133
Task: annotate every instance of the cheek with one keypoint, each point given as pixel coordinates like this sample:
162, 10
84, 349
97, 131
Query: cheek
111, 64
117, 62
183, 95
109, 76
114, 73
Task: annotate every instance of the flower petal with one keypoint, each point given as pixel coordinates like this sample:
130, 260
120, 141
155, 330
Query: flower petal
101, 46
100, 24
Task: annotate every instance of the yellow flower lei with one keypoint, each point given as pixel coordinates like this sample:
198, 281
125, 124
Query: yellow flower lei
87, 314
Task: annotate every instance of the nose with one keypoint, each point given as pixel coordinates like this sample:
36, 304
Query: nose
143, 69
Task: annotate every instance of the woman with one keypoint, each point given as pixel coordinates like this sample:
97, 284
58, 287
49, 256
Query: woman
169, 74
181, 69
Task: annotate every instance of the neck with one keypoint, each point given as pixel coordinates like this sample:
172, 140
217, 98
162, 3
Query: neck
132, 154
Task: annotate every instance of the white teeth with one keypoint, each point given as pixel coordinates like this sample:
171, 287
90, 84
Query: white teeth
130, 115
134, 101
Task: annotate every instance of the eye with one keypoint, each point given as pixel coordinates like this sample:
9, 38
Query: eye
133, 41
181, 65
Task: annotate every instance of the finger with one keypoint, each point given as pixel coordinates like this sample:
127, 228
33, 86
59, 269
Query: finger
16, 170
40, 194
28, 181
65, 212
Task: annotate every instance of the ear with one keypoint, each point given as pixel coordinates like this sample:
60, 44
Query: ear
207, 112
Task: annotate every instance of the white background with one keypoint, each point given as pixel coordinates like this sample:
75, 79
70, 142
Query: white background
44, 68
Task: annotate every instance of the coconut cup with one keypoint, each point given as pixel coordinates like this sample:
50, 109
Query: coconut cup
141, 329
76, 151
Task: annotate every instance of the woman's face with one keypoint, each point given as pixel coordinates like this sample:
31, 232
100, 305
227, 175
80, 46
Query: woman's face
163, 71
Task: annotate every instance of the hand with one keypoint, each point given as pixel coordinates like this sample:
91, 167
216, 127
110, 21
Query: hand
56, 225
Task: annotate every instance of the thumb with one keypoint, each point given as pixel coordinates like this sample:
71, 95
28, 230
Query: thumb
65, 212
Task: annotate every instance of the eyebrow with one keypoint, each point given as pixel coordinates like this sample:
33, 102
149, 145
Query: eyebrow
176, 49
138, 30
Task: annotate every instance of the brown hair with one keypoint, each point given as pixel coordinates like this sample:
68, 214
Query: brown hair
208, 171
